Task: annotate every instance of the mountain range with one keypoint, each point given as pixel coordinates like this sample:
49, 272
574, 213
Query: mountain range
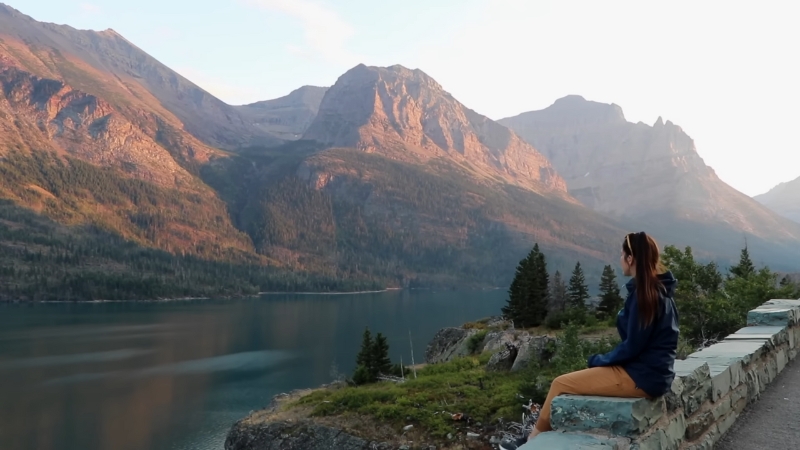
649, 176
382, 178
784, 199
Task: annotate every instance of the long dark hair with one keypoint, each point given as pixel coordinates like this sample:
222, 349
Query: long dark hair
644, 251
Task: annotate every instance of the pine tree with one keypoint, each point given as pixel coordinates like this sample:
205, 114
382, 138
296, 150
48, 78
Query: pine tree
578, 291
745, 268
529, 293
610, 299
558, 295
539, 295
365, 363
516, 293
517, 307
381, 363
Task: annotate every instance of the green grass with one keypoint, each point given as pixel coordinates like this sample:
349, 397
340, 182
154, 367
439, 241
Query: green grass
459, 386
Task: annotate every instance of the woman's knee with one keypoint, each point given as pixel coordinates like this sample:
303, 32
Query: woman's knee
560, 382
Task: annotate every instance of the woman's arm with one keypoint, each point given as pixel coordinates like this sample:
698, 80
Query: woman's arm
634, 341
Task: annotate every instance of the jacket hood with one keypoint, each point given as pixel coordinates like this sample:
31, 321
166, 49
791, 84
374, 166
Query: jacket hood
667, 279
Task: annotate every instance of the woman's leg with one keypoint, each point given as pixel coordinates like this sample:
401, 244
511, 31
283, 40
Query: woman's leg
602, 381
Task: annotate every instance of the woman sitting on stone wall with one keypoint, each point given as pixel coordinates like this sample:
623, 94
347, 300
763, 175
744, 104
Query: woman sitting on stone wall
642, 364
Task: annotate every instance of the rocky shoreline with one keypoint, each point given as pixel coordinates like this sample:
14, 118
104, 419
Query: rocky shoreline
293, 429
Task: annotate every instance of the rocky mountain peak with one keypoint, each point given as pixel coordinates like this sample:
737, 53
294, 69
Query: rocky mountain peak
406, 115
652, 174
574, 110
784, 199
307, 96
287, 117
102, 62
5, 9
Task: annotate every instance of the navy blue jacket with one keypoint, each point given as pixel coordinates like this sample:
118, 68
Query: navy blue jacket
647, 354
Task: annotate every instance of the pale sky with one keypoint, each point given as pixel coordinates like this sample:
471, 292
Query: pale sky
726, 71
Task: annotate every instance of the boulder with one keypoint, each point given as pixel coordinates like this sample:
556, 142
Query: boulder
533, 347
447, 344
503, 359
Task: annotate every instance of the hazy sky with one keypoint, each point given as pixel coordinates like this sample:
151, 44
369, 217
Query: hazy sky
726, 71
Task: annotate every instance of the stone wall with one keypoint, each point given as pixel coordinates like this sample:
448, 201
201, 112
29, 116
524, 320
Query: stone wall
711, 388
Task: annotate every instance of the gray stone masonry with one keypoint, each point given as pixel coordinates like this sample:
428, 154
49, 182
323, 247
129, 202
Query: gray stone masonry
710, 391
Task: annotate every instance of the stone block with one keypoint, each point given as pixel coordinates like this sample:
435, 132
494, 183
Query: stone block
753, 387
627, 417
725, 352
771, 365
691, 387
699, 424
722, 408
676, 430
707, 442
554, 440
721, 384
777, 312
739, 398
776, 335
668, 438
726, 422
781, 359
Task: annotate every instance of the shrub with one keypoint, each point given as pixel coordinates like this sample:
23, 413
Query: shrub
575, 315
474, 342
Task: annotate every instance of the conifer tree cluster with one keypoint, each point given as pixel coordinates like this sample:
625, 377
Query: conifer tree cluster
533, 300
373, 359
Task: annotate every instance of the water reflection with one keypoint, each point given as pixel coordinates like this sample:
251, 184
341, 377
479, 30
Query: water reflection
176, 375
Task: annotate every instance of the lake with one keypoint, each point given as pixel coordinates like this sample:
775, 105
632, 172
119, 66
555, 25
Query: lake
176, 375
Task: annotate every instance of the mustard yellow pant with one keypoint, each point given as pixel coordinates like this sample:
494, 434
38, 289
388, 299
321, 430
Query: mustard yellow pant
602, 381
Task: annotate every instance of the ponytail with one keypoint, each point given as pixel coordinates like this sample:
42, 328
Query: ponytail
644, 251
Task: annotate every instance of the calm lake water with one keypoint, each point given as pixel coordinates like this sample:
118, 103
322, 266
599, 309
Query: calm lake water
176, 375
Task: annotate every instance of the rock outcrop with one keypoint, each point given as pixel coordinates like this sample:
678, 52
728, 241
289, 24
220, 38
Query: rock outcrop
447, 344
406, 115
300, 435
51, 115
511, 349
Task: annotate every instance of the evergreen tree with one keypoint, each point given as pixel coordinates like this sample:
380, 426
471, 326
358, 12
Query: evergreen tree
558, 296
381, 363
516, 293
529, 293
578, 291
610, 299
365, 362
539, 295
745, 268
519, 294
